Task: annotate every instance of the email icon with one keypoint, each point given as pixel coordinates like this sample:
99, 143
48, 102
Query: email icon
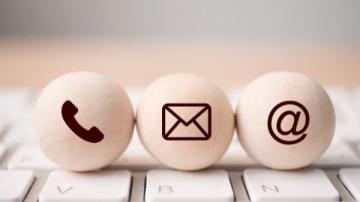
186, 121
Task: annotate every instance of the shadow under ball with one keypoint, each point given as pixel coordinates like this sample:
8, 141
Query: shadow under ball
180, 103
285, 120
83, 121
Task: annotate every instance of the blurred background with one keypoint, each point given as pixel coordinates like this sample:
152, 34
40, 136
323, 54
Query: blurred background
137, 41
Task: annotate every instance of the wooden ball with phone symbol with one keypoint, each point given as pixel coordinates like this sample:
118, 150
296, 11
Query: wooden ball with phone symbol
285, 120
185, 121
83, 121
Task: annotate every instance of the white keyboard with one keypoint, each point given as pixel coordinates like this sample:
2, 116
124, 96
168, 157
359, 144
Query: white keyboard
26, 175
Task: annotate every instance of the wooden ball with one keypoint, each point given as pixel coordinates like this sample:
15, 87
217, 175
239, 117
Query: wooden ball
185, 121
285, 120
83, 121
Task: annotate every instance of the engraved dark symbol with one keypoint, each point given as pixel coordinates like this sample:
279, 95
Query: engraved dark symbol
68, 111
296, 129
200, 109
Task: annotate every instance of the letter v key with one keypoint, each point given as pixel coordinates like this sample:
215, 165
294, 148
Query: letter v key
65, 190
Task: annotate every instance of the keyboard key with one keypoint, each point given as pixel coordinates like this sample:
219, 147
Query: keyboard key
15, 103
305, 185
14, 185
90, 186
30, 157
233, 96
170, 185
20, 132
347, 116
236, 156
3, 127
2, 151
134, 95
351, 179
136, 156
338, 154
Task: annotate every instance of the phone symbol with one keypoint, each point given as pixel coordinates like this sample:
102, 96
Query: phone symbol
68, 111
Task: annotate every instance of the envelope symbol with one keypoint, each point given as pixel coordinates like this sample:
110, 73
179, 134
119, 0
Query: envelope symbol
186, 121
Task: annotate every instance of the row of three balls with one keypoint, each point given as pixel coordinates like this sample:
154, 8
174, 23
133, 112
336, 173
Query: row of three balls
84, 121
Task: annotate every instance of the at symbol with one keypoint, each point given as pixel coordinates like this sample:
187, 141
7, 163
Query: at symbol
293, 130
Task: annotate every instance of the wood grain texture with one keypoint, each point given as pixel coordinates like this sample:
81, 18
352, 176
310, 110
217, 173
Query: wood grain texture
100, 104
171, 114
35, 62
268, 128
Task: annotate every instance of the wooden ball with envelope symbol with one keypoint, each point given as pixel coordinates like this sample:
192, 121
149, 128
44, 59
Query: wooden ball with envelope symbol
185, 121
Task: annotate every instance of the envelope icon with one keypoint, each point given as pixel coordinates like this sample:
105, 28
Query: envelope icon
186, 121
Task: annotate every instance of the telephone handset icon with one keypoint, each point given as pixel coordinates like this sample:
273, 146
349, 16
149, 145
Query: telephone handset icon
68, 111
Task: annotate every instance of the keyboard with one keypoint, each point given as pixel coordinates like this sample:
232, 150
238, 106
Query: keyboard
26, 174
